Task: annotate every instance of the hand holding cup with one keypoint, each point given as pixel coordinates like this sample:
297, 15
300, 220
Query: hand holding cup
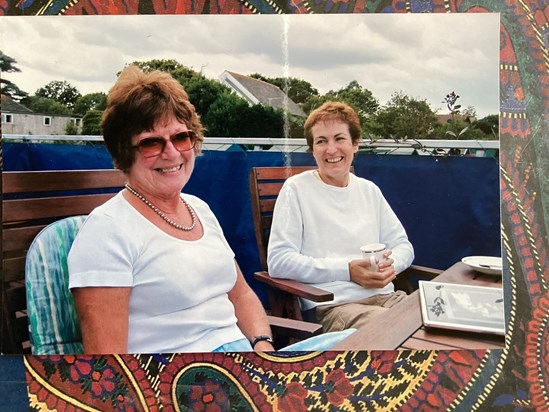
375, 269
375, 252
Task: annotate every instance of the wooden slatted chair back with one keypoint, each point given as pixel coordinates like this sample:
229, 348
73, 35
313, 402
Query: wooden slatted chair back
31, 201
265, 185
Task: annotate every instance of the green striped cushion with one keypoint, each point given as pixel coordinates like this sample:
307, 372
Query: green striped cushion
53, 322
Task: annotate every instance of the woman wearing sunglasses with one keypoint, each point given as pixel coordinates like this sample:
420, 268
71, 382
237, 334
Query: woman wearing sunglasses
150, 270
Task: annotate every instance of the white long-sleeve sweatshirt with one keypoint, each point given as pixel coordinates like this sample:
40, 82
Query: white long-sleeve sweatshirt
318, 229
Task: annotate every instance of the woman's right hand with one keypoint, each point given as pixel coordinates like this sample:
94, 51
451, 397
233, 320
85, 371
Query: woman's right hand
362, 273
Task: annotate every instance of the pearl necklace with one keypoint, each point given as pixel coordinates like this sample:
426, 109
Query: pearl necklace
162, 215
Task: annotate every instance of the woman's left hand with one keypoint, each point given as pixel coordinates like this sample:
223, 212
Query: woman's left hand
363, 273
263, 346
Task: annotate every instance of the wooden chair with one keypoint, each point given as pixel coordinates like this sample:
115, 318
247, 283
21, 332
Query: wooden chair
283, 294
31, 201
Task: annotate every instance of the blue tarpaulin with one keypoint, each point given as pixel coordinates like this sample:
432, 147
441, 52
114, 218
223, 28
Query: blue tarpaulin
448, 205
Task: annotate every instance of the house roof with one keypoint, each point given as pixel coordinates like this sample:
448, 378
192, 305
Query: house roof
257, 91
7, 104
445, 118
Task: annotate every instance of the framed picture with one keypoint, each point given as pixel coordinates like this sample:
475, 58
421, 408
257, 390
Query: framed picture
462, 307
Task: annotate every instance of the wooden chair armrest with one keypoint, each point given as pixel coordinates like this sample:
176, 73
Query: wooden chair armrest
306, 329
407, 279
295, 288
424, 271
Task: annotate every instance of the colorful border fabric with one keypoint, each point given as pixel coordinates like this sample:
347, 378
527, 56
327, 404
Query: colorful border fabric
515, 378
352, 381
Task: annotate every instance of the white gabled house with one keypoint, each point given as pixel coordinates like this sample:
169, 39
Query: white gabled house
256, 91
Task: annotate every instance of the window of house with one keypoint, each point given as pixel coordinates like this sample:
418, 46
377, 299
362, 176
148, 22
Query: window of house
76, 121
7, 118
47, 120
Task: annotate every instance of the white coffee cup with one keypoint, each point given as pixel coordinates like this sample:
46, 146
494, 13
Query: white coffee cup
373, 251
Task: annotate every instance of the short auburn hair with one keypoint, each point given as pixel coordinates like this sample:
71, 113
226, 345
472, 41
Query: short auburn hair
331, 111
136, 103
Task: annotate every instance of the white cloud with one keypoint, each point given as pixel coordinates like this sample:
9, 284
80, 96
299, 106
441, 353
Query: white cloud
424, 55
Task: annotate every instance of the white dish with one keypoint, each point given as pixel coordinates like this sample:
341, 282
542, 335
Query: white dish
489, 265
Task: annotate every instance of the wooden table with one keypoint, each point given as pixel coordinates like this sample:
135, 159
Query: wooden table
401, 327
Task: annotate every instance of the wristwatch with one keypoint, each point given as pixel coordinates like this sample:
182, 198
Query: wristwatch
261, 338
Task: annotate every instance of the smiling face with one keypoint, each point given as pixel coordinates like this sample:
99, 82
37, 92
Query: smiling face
139, 102
333, 150
164, 175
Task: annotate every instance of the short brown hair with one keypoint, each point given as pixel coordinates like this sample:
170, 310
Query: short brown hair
136, 103
330, 111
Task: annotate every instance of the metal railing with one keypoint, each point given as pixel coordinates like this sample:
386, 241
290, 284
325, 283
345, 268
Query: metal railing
380, 146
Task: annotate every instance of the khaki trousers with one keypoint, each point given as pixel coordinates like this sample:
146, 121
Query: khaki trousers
354, 314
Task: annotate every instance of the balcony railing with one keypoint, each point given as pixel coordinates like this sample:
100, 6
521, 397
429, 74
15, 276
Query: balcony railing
479, 148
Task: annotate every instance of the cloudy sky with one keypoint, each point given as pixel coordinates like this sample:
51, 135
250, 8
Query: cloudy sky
424, 55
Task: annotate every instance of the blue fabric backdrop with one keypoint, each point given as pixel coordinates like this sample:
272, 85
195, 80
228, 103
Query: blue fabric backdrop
448, 205
13, 384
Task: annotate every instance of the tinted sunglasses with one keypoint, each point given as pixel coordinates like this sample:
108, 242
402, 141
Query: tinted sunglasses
153, 146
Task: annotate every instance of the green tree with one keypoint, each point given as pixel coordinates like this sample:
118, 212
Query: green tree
222, 119
263, 121
176, 69
295, 126
405, 117
298, 90
91, 122
8, 65
204, 92
90, 101
61, 91
71, 128
45, 105
231, 116
489, 126
359, 98
201, 90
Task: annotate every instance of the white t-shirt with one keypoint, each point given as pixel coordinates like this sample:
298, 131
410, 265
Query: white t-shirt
179, 300
318, 229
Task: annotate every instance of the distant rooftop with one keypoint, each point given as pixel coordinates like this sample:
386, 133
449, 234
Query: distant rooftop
445, 118
257, 91
7, 104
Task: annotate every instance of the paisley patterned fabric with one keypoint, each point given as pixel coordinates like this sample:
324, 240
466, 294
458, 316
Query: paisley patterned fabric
350, 381
52, 316
515, 378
